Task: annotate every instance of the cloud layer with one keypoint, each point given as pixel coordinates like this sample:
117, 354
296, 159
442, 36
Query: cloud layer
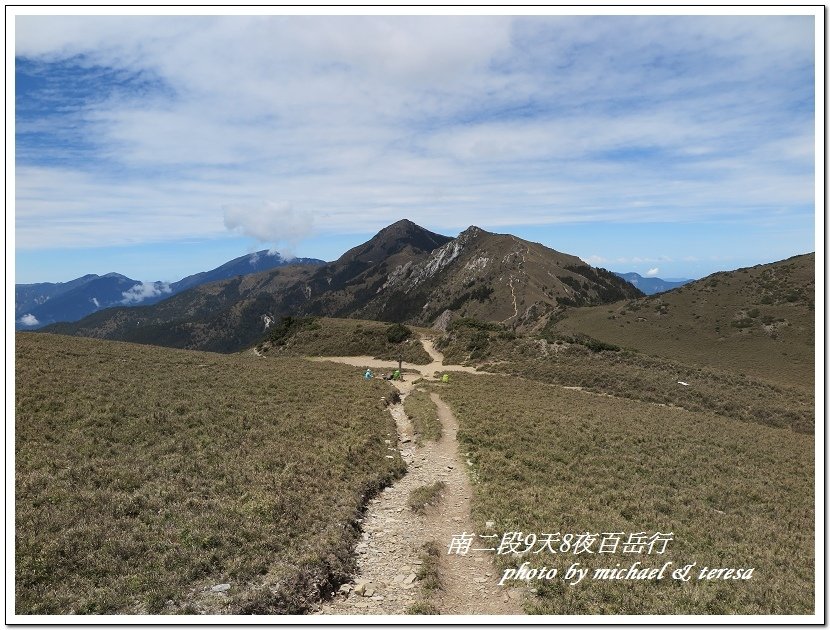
270, 222
202, 125
144, 291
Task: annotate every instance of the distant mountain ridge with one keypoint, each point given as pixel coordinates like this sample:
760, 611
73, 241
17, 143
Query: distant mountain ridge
650, 285
404, 273
45, 303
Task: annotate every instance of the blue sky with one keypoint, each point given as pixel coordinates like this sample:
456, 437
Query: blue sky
162, 146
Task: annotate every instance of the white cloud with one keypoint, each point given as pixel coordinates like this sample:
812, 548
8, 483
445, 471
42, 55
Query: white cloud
653, 271
145, 290
28, 320
95, 302
447, 121
270, 222
596, 260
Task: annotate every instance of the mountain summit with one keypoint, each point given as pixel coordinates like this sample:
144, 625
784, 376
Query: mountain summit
404, 273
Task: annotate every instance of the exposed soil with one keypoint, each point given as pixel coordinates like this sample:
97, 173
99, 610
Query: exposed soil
428, 371
393, 535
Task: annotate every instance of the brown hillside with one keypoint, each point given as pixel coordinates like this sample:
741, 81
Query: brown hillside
495, 277
757, 320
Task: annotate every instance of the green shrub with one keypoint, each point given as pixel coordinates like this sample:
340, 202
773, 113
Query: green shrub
396, 333
290, 326
471, 322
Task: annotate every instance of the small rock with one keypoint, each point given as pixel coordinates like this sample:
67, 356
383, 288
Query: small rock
405, 440
369, 591
490, 524
345, 589
480, 580
456, 518
220, 588
410, 578
390, 457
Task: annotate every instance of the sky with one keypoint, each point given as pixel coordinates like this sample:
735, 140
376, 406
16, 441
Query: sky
160, 146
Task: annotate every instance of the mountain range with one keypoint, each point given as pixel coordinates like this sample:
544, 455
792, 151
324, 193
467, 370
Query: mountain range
650, 285
405, 273
44, 303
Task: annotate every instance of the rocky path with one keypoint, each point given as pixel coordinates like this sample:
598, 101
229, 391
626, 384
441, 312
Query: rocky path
389, 555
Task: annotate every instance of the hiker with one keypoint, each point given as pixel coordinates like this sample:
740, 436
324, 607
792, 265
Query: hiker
445, 378
396, 376
368, 374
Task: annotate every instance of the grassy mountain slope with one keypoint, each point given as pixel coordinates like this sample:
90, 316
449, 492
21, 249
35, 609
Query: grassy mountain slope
584, 363
733, 495
325, 336
758, 321
144, 476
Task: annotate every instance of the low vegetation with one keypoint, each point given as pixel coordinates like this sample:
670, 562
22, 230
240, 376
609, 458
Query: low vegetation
734, 495
423, 496
429, 575
422, 608
321, 336
759, 321
396, 333
627, 374
424, 416
145, 476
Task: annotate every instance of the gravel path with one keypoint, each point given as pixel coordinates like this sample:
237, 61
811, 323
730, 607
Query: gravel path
393, 535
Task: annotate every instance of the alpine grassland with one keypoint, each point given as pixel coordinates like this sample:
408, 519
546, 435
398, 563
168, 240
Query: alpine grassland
421, 410
759, 321
733, 495
323, 336
153, 480
584, 362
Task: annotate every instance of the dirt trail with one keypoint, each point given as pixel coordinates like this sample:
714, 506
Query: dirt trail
428, 371
393, 535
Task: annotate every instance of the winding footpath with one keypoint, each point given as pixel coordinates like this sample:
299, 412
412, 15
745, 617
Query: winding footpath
389, 554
